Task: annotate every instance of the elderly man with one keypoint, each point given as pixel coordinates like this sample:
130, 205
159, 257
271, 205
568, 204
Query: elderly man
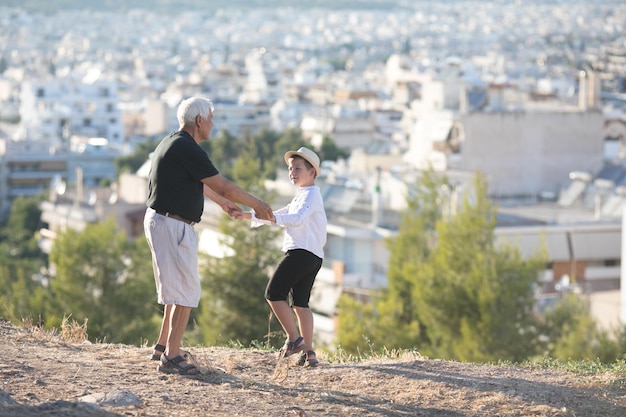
181, 174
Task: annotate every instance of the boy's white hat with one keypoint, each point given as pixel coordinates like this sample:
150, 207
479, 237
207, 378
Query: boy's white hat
308, 155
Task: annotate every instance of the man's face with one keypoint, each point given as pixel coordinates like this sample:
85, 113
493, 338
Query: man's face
205, 126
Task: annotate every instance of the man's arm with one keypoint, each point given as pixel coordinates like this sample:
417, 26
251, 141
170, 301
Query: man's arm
231, 191
228, 206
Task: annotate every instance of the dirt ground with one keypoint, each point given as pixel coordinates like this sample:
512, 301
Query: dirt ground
43, 375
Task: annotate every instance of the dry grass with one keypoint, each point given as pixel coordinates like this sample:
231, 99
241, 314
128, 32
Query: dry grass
71, 331
52, 373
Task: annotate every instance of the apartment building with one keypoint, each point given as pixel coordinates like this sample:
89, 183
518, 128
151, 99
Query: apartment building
241, 119
55, 110
27, 167
524, 145
77, 205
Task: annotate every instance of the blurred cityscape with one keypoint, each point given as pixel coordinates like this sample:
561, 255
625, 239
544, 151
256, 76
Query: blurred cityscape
532, 94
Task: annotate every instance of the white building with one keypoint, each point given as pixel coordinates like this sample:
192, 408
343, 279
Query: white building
526, 153
55, 110
264, 81
27, 167
524, 146
240, 119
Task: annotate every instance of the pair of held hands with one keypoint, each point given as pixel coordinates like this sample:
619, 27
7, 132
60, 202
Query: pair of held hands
262, 211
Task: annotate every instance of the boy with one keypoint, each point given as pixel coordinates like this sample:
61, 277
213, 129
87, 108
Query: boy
304, 220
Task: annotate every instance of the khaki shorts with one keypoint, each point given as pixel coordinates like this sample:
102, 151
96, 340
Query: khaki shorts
174, 247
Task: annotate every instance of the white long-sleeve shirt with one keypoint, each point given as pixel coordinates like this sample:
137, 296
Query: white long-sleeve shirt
304, 220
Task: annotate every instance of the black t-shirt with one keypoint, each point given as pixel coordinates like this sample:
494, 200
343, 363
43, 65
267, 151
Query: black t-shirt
178, 165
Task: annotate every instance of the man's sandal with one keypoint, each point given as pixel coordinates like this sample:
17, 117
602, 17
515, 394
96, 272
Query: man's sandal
175, 366
294, 347
308, 359
160, 349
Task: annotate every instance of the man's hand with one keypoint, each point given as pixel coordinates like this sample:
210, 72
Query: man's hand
264, 212
231, 208
218, 189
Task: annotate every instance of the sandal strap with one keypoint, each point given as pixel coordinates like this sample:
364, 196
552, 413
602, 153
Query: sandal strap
295, 343
292, 347
159, 349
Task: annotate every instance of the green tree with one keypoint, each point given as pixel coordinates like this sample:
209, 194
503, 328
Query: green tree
105, 278
134, 161
141, 316
266, 149
392, 317
223, 150
246, 169
453, 293
571, 333
290, 139
18, 238
476, 300
22, 291
329, 151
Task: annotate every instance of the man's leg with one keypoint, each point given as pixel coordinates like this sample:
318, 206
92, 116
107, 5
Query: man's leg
165, 328
174, 359
179, 317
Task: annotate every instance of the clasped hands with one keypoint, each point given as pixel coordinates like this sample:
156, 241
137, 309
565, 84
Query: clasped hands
263, 211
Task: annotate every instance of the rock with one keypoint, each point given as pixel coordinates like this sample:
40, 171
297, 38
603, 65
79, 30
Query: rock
112, 399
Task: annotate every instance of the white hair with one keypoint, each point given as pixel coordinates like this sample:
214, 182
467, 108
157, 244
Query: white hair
192, 107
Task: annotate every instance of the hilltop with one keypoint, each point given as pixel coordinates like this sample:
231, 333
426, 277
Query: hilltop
43, 374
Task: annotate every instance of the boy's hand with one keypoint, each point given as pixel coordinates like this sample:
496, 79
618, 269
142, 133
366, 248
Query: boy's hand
242, 215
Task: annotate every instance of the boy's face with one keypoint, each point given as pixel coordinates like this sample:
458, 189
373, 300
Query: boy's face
299, 174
